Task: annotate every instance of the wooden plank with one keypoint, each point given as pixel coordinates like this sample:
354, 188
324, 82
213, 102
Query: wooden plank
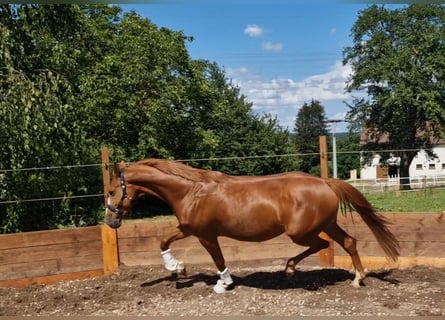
20, 283
152, 243
28, 270
261, 251
428, 219
199, 255
148, 258
49, 267
408, 249
57, 251
403, 233
131, 229
42, 238
110, 252
231, 253
79, 264
138, 244
371, 263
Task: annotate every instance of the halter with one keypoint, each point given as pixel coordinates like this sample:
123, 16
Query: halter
125, 195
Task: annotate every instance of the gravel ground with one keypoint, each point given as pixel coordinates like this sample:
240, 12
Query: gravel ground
263, 290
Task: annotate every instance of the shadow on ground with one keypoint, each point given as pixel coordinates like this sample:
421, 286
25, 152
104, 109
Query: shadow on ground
277, 280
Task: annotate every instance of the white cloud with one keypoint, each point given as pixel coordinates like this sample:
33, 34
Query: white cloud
284, 97
231, 72
253, 30
270, 46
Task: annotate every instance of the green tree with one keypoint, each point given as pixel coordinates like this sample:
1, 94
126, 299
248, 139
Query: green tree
397, 58
310, 124
38, 117
348, 155
231, 129
74, 78
136, 95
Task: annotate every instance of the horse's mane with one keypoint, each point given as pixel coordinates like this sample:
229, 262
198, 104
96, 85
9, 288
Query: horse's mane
184, 171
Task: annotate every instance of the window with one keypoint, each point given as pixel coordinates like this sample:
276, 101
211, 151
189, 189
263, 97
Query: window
443, 166
419, 166
432, 166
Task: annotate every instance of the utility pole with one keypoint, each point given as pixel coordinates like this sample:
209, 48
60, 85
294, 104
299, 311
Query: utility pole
334, 145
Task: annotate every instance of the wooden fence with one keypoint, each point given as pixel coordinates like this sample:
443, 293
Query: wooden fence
46, 257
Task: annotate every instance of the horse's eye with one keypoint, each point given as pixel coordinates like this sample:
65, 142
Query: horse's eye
111, 193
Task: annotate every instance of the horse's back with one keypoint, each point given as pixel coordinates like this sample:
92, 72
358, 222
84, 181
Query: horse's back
256, 208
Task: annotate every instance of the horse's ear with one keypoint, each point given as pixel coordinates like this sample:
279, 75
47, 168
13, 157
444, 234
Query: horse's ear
122, 165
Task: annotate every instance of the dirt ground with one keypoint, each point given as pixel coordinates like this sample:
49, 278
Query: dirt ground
259, 290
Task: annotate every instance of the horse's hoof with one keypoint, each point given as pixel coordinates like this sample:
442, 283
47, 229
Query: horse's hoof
182, 273
219, 287
289, 272
355, 284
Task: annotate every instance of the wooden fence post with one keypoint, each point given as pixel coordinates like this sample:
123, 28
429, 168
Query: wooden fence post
110, 253
105, 171
326, 255
110, 248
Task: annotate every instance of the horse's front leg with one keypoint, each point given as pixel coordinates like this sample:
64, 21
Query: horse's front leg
225, 282
170, 262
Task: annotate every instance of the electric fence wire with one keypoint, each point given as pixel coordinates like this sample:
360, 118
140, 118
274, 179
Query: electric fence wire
17, 201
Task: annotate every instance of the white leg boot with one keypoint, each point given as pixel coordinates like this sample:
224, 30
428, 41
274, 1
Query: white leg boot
170, 262
224, 282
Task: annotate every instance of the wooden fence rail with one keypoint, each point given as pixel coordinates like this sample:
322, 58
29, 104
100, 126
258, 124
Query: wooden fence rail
46, 257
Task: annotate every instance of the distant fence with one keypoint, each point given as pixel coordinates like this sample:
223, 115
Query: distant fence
45, 257
380, 185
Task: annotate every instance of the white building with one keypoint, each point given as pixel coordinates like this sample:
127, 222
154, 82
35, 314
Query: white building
422, 166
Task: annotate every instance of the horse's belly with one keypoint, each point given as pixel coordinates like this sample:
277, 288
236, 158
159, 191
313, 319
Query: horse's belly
250, 236
254, 228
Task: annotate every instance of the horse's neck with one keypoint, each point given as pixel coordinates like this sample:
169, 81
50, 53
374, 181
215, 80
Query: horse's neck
168, 188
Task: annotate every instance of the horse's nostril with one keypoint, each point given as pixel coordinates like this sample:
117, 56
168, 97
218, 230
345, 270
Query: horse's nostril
112, 208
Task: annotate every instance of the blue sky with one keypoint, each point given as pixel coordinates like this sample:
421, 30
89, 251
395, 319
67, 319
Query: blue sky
280, 53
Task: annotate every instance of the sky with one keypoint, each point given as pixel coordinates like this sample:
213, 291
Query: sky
281, 54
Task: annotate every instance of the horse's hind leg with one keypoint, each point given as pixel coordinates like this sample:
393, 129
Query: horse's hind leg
315, 244
349, 244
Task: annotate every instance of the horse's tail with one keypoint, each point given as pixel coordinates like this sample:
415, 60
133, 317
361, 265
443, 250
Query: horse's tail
352, 199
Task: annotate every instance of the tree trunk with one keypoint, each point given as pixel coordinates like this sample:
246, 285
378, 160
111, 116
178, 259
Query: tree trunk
405, 161
404, 177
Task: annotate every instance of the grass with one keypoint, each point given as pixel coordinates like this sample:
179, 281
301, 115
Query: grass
425, 200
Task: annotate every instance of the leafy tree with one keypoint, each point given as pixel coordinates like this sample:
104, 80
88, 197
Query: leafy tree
310, 124
348, 157
38, 120
397, 58
76, 77
231, 129
135, 95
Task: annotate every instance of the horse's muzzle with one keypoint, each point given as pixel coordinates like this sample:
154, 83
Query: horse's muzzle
113, 222
112, 217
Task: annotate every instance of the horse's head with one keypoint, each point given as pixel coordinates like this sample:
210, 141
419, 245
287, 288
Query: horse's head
120, 197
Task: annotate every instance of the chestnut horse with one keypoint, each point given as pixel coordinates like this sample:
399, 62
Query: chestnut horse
209, 204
